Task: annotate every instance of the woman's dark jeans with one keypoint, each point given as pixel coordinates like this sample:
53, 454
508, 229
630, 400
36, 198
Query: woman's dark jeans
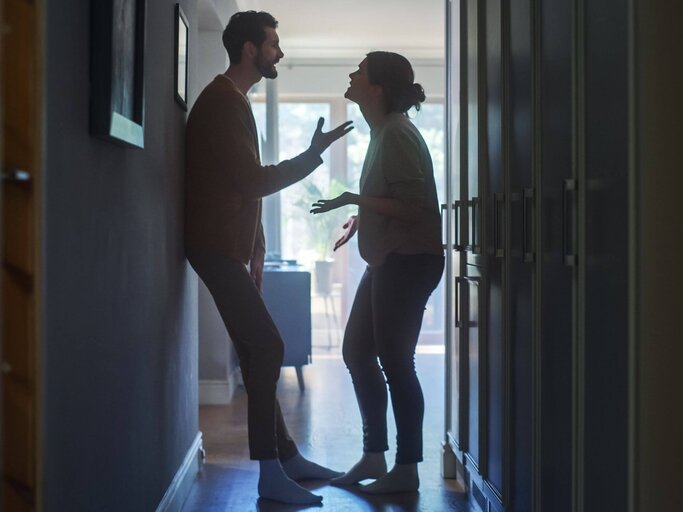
385, 323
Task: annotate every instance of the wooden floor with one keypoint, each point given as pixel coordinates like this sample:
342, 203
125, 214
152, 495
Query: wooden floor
325, 422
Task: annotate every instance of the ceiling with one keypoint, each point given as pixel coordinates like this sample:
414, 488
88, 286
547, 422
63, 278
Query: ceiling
313, 29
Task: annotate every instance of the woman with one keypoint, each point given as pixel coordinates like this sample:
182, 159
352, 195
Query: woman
399, 236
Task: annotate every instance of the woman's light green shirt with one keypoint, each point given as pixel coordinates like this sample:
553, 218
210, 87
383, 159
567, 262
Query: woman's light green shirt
398, 165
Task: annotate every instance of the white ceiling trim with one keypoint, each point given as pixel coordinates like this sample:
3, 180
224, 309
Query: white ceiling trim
351, 28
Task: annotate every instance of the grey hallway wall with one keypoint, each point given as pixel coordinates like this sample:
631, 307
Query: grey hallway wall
120, 321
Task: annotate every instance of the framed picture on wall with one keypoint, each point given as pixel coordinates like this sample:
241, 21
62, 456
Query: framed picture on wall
181, 53
117, 54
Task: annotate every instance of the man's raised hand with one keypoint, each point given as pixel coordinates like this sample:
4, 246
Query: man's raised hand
322, 140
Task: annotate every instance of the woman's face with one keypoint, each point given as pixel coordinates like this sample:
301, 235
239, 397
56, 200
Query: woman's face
360, 89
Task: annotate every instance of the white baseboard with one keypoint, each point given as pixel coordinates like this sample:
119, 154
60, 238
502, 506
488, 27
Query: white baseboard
214, 392
177, 492
219, 392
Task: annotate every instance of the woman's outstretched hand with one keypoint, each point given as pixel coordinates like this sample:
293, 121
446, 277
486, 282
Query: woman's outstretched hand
351, 226
326, 205
322, 140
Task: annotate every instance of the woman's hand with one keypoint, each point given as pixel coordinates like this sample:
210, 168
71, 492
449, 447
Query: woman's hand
351, 227
326, 205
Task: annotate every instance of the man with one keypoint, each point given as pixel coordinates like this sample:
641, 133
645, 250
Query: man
225, 182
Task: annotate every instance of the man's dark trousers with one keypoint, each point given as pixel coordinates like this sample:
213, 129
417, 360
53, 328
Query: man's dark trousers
259, 348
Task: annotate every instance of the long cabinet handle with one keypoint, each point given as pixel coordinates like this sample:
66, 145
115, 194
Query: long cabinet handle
474, 235
568, 222
456, 220
498, 212
457, 246
458, 281
528, 231
444, 244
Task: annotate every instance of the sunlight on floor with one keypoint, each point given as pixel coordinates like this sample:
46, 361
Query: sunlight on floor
325, 422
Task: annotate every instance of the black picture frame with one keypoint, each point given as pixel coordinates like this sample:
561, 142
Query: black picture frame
117, 56
182, 34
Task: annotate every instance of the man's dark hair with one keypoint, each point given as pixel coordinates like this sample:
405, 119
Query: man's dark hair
246, 26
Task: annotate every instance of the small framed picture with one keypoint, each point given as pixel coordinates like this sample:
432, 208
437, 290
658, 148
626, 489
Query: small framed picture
181, 54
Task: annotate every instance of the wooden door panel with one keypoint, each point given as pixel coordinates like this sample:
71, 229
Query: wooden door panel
21, 105
456, 70
556, 293
473, 229
19, 68
494, 175
473, 315
18, 326
17, 227
520, 276
15, 499
19, 433
606, 281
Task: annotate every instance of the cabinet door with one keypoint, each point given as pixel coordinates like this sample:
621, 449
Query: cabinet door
20, 283
473, 314
475, 132
521, 253
604, 303
556, 255
454, 262
493, 175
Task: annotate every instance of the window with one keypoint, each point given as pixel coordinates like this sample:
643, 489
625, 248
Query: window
304, 237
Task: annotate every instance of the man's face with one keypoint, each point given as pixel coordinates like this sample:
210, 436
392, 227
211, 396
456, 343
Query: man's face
269, 54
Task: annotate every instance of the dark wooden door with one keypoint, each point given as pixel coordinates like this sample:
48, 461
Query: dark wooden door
494, 178
556, 256
604, 300
520, 227
20, 311
544, 290
475, 130
471, 284
454, 261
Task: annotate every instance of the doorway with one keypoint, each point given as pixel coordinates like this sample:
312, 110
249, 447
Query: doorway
312, 79
21, 165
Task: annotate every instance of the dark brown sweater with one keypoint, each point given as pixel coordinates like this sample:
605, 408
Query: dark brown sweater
225, 180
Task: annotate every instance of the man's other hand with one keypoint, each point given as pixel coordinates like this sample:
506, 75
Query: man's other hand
256, 269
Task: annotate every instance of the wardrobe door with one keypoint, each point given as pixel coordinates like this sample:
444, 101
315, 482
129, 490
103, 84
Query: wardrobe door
475, 132
470, 284
604, 299
455, 396
473, 315
556, 255
495, 375
521, 253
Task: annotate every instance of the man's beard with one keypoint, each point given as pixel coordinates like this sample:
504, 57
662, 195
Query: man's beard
266, 68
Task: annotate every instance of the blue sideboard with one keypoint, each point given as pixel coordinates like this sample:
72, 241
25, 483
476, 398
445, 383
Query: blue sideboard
287, 294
